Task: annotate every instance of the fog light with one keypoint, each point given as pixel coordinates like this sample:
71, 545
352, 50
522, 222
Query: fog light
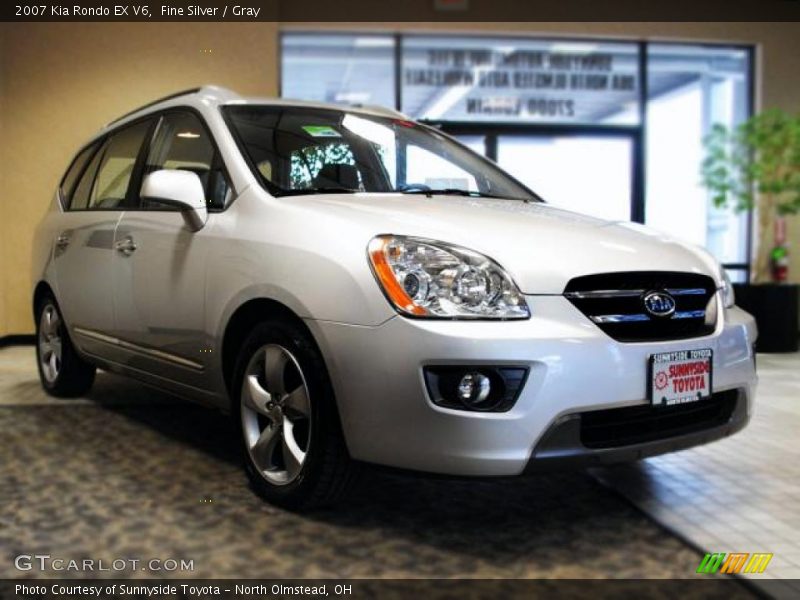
474, 388
482, 388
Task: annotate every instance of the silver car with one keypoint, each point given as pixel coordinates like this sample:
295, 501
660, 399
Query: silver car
356, 287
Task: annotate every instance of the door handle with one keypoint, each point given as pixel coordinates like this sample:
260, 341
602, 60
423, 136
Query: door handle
62, 241
127, 246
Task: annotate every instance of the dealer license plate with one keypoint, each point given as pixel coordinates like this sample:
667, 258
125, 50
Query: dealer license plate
680, 377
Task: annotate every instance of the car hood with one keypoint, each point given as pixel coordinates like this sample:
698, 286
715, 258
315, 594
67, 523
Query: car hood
542, 247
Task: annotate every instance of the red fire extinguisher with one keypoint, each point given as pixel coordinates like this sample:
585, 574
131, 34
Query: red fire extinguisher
779, 257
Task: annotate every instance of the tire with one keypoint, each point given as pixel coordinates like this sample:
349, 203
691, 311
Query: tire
285, 410
62, 372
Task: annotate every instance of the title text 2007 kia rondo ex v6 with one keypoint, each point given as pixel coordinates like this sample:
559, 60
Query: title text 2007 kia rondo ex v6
358, 287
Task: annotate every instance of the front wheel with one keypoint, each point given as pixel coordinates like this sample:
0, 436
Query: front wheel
294, 450
62, 371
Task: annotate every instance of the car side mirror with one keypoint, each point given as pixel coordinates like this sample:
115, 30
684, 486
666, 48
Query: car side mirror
182, 190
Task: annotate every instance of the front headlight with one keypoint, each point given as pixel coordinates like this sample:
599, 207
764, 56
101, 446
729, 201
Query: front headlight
726, 291
424, 278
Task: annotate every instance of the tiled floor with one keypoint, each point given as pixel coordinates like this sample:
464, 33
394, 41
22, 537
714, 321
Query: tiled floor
741, 494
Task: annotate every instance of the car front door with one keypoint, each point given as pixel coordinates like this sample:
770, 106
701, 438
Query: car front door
160, 266
84, 246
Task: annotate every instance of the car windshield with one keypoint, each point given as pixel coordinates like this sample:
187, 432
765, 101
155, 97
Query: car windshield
304, 150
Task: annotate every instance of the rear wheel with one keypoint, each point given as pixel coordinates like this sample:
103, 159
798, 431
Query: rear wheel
294, 450
62, 371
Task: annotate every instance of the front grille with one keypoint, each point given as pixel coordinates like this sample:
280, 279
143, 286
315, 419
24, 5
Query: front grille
615, 427
615, 303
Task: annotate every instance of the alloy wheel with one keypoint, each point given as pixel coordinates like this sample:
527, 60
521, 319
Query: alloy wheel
50, 345
276, 414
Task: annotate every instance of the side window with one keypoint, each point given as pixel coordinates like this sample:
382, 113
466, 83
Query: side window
110, 187
70, 178
182, 143
80, 197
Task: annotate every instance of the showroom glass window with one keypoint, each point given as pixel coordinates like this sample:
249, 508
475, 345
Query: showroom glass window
691, 88
467, 77
512, 79
349, 69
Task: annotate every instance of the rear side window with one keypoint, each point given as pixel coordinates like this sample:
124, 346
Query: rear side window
79, 200
184, 144
111, 184
70, 179
105, 182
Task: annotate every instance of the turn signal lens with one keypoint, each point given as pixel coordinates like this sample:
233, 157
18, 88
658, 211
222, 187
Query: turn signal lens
383, 271
425, 278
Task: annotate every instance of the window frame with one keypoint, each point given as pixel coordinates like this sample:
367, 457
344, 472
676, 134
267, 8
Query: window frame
278, 192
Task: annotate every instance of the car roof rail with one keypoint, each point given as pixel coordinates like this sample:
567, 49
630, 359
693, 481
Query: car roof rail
389, 112
154, 102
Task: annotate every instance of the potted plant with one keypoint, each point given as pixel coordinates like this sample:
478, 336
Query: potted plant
756, 166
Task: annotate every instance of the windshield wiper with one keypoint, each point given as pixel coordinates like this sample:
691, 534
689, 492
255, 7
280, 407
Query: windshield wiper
459, 192
428, 193
318, 190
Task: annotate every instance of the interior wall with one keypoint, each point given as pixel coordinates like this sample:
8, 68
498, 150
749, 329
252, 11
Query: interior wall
63, 81
3, 286
59, 82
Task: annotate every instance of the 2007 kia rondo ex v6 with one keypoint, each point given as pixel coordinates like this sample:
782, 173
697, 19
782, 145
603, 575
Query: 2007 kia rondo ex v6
357, 287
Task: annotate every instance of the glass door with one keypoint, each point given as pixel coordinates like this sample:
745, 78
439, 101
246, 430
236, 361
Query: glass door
588, 174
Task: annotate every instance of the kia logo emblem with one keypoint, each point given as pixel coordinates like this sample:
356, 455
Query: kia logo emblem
659, 304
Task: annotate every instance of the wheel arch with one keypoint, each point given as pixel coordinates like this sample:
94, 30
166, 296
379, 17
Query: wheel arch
242, 321
41, 290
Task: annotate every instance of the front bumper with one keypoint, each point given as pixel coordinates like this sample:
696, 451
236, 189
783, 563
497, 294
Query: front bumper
564, 443
575, 368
